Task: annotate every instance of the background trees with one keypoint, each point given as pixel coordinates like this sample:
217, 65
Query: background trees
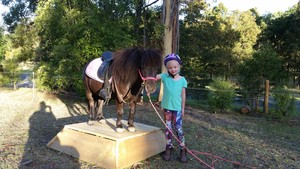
60, 36
70, 33
2, 44
283, 33
264, 65
20, 11
215, 42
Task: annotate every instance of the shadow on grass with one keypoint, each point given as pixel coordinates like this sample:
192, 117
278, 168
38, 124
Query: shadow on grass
43, 127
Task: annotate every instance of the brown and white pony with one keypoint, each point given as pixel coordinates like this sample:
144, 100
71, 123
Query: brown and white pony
132, 70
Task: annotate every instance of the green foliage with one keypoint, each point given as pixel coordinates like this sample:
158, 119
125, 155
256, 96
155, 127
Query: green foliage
45, 78
2, 44
283, 32
218, 42
25, 41
221, 95
64, 35
265, 65
19, 11
284, 104
71, 35
245, 24
10, 63
4, 79
11, 73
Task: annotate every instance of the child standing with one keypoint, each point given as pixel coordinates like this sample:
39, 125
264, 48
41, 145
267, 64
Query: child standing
173, 103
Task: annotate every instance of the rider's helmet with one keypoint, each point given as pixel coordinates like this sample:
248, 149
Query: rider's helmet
172, 56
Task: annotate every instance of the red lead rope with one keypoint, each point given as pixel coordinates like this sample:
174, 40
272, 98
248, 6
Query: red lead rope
193, 152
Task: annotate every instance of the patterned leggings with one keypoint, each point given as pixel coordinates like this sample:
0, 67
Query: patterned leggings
173, 118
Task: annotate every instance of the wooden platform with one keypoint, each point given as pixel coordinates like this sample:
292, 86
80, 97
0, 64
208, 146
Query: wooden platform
100, 144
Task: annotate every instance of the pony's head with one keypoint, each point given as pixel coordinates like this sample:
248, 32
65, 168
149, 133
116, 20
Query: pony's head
150, 65
137, 64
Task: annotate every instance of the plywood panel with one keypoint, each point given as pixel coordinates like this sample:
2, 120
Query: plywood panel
87, 147
140, 148
100, 144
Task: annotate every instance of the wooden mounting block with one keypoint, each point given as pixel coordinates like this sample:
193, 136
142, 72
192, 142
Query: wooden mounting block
100, 143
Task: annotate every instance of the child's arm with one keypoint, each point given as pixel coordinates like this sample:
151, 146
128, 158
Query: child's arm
158, 77
183, 98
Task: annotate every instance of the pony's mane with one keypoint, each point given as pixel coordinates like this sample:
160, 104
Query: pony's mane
127, 62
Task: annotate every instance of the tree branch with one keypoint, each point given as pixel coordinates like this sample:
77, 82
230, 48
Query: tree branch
150, 4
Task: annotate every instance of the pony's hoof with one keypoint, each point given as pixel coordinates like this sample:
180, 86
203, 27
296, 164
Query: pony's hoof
90, 122
131, 129
102, 121
120, 130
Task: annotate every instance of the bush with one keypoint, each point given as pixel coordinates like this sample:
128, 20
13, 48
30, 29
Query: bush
284, 104
221, 95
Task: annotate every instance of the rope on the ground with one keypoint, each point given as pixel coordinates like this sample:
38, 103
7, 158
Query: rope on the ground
193, 152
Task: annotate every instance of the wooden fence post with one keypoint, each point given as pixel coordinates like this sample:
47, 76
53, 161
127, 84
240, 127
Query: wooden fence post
266, 100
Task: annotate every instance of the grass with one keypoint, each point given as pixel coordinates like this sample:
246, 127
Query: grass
28, 123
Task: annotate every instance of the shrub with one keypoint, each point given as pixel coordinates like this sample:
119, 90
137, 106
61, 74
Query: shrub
221, 95
284, 104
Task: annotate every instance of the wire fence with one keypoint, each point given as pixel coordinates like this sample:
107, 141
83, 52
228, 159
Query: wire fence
243, 98
17, 80
197, 95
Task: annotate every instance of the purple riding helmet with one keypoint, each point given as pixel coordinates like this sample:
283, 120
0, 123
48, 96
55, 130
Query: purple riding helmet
172, 56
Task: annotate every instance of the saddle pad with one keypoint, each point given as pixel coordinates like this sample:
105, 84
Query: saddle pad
92, 69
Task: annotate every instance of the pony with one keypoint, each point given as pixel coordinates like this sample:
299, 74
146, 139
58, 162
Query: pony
132, 70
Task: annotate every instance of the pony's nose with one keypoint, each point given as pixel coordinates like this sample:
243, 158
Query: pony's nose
150, 88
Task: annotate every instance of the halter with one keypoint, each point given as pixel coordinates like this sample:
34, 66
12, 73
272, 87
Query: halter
142, 85
146, 78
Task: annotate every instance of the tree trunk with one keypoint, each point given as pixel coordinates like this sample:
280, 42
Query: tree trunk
171, 33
